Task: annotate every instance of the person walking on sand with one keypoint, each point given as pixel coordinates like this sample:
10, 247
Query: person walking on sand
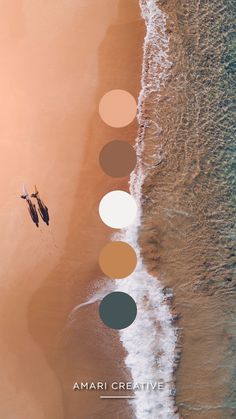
31, 207
25, 194
43, 210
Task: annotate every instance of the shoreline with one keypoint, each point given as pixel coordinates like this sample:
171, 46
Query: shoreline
154, 306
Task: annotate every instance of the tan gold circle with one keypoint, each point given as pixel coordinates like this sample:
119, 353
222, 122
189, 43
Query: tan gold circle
117, 259
117, 108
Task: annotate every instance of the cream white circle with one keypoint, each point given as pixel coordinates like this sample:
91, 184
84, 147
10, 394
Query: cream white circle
118, 209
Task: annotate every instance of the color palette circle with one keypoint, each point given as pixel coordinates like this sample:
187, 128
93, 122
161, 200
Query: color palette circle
118, 158
118, 209
117, 259
118, 310
117, 108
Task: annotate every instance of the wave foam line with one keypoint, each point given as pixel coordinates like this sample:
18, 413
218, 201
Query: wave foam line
150, 341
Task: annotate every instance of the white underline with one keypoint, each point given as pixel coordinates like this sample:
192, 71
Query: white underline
117, 397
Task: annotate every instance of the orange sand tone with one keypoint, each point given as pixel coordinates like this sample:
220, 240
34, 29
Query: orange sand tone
58, 60
117, 259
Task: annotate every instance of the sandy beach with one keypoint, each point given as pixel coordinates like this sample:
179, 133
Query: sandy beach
57, 62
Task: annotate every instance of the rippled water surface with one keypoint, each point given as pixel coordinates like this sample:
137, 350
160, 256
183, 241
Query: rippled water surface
188, 225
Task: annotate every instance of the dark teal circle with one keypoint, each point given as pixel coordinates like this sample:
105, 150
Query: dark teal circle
118, 310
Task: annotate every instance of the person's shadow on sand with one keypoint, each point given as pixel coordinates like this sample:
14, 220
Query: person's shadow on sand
32, 210
43, 210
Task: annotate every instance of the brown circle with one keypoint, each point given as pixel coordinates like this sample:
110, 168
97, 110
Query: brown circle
117, 259
117, 108
118, 158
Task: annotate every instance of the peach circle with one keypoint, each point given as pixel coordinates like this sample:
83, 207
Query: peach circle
117, 259
117, 108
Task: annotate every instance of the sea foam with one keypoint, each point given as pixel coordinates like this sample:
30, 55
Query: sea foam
151, 340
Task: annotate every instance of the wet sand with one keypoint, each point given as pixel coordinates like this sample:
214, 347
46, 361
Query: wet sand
58, 62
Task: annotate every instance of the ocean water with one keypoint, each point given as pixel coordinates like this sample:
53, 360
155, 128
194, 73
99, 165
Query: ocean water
187, 230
